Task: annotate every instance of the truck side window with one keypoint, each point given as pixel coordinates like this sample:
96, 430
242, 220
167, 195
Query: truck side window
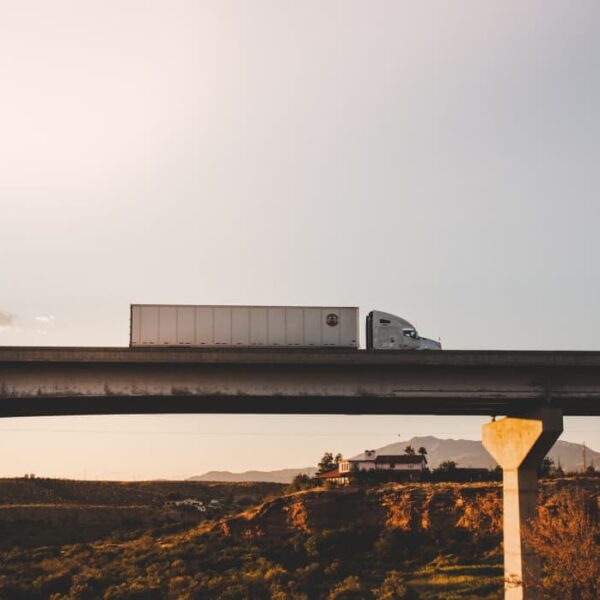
386, 321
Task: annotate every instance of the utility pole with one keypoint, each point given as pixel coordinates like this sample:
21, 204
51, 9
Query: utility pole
584, 458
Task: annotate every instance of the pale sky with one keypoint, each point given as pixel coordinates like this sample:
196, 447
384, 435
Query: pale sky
436, 160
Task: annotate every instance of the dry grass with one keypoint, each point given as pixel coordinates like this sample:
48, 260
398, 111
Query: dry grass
446, 578
566, 535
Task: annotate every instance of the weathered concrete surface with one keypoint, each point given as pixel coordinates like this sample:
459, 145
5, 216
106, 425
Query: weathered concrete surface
63, 381
519, 445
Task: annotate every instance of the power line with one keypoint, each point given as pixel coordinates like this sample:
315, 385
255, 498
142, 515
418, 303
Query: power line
258, 433
271, 433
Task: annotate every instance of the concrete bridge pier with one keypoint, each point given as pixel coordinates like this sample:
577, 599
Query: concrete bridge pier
519, 444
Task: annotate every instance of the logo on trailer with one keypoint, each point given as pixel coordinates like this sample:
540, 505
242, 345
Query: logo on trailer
332, 320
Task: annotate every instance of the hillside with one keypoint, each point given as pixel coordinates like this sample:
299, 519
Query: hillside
471, 453
425, 541
409, 507
124, 493
441, 509
279, 476
43, 511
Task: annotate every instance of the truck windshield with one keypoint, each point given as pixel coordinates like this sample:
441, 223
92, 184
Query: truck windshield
410, 333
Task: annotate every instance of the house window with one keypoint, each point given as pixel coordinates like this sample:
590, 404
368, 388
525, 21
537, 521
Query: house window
392, 465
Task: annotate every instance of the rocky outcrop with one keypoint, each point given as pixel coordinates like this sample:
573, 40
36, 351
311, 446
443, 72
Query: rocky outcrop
418, 508
409, 507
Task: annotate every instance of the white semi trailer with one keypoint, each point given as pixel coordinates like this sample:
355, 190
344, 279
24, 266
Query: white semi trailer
269, 326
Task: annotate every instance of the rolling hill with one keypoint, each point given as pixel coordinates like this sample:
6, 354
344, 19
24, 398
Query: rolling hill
471, 453
280, 476
466, 453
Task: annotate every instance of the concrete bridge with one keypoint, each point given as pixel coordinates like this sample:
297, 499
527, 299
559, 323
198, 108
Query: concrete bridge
533, 390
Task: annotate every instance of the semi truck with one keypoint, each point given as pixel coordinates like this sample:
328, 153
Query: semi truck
219, 326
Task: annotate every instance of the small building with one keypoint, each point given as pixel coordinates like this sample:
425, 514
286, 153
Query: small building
409, 465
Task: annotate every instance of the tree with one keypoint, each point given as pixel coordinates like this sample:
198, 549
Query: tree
301, 482
409, 450
446, 471
423, 452
326, 463
546, 467
329, 462
448, 466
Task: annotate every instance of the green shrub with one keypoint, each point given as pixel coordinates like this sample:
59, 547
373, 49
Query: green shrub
350, 588
394, 587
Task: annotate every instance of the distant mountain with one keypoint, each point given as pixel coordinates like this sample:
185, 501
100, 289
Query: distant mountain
466, 453
280, 476
471, 453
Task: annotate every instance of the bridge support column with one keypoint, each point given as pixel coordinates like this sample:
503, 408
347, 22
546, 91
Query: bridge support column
519, 444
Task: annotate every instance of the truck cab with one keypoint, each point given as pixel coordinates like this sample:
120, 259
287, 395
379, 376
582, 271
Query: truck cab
389, 332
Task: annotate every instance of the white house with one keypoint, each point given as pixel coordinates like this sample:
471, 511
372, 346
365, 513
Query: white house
410, 464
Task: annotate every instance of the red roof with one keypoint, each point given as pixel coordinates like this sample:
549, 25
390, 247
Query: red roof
331, 474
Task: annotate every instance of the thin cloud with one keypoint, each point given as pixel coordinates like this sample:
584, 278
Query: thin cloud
45, 318
7, 320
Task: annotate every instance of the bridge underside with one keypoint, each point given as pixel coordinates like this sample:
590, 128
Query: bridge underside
314, 405
79, 381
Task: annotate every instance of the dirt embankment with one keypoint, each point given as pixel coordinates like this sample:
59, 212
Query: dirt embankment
427, 508
410, 507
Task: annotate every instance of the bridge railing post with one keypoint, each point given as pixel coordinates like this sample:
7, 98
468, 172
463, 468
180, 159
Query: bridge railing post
519, 444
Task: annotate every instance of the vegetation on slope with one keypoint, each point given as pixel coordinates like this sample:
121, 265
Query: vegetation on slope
126, 493
393, 541
40, 511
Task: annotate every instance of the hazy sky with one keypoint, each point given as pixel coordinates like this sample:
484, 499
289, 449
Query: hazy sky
437, 160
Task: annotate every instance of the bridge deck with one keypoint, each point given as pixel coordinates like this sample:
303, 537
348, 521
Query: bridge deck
76, 380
